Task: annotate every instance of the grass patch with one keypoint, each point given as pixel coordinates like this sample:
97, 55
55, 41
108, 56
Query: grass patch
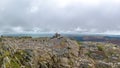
100, 48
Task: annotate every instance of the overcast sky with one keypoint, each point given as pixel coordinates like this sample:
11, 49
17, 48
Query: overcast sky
65, 16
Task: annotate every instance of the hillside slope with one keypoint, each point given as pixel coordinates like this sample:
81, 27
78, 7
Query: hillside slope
57, 52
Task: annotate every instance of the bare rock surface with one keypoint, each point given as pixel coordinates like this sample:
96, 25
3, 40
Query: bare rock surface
57, 52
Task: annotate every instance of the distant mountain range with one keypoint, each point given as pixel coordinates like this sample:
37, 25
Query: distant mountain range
115, 39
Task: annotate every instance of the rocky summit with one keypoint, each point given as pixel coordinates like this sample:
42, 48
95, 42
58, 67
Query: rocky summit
57, 52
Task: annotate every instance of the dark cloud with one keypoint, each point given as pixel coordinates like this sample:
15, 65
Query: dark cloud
95, 16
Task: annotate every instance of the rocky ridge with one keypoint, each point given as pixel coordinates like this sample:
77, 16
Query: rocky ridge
57, 52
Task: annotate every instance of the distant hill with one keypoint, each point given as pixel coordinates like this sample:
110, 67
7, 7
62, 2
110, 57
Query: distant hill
115, 39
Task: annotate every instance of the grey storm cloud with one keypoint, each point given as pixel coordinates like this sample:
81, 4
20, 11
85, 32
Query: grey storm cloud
81, 16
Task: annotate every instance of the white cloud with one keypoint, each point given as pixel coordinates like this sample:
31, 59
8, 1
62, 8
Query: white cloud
78, 29
36, 30
34, 9
64, 3
70, 16
113, 32
17, 29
